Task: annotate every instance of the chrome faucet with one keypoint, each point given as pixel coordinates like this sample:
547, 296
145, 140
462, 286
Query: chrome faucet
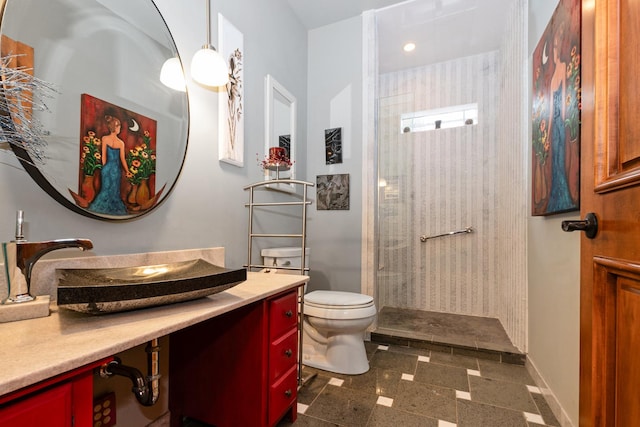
20, 256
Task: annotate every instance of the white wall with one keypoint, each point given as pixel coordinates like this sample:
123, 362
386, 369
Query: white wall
206, 207
335, 100
554, 280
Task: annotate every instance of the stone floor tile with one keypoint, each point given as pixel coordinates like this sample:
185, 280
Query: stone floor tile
454, 360
505, 372
545, 410
394, 360
386, 417
474, 414
442, 376
342, 406
502, 393
380, 382
426, 400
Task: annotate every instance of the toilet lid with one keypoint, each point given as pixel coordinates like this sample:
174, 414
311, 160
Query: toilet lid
335, 299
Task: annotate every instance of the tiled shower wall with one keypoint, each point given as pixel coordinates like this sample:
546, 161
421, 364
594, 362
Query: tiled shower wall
449, 179
512, 185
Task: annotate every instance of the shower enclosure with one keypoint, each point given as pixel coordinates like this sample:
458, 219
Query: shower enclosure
450, 144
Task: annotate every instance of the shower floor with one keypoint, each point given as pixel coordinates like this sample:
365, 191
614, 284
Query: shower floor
474, 336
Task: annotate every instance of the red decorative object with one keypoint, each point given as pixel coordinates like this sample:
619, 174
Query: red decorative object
276, 160
277, 153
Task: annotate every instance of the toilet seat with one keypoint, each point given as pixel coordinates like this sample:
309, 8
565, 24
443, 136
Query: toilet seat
338, 299
338, 305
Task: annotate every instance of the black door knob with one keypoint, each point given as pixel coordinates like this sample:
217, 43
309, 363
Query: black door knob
589, 225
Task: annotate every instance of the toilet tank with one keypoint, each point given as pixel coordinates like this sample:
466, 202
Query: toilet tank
285, 257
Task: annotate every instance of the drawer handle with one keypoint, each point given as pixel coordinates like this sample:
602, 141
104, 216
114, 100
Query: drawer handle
288, 313
288, 393
288, 352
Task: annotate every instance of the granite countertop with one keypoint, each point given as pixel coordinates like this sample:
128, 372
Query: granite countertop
36, 349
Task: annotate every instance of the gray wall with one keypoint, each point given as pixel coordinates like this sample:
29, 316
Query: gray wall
335, 100
554, 280
206, 207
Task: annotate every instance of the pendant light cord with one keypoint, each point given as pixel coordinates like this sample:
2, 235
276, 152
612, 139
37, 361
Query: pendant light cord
208, 12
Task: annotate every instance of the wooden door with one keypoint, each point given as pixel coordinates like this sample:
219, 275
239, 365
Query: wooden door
610, 186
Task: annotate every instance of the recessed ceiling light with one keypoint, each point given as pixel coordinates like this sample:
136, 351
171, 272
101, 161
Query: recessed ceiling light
409, 47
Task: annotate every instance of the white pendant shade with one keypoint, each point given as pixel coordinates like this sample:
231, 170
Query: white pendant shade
171, 75
209, 68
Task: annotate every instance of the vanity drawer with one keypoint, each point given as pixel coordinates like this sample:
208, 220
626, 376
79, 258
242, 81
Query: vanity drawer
283, 353
282, 395
283, 314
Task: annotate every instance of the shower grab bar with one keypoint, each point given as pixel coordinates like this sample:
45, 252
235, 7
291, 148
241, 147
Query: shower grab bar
424, 238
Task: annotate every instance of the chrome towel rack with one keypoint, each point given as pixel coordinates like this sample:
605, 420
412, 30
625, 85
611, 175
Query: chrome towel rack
304, 203
424, 238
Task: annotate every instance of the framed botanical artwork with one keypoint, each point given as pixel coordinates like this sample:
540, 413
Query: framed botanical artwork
231, 98
556, 100
117, 159
332, 192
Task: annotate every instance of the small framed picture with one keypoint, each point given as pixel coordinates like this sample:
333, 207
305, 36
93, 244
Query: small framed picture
333, 145
332, 192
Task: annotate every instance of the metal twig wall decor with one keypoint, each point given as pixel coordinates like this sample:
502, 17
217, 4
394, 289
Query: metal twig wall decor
21, 94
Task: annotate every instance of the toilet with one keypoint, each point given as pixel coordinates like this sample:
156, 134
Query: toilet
334, 321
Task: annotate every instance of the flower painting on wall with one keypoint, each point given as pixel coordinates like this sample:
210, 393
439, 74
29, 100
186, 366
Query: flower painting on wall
556, 98
231, 99
117, 159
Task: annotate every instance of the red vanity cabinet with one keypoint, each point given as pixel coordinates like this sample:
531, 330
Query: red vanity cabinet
239, 368
283, 356
62, 401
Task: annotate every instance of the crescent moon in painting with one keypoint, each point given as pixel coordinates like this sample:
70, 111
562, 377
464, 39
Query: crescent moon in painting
545, 57
134, 127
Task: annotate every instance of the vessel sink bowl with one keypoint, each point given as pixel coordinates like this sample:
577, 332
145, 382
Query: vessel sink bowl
109, 290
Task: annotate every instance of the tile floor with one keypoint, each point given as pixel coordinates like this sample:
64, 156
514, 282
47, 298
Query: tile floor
422, 387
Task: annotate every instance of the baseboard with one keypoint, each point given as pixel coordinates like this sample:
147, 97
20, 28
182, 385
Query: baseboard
163, 421
557, 409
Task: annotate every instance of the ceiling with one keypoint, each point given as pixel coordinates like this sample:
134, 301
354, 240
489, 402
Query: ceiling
441, 29
318, 13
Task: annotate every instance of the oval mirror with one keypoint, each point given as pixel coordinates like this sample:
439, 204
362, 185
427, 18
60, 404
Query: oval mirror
96, 128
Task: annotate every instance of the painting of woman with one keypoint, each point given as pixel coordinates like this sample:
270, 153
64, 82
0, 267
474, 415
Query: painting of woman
556, 118
559, 197
117, 170
109, 200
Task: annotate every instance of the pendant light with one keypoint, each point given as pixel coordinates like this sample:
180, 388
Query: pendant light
208, 67
171, 75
